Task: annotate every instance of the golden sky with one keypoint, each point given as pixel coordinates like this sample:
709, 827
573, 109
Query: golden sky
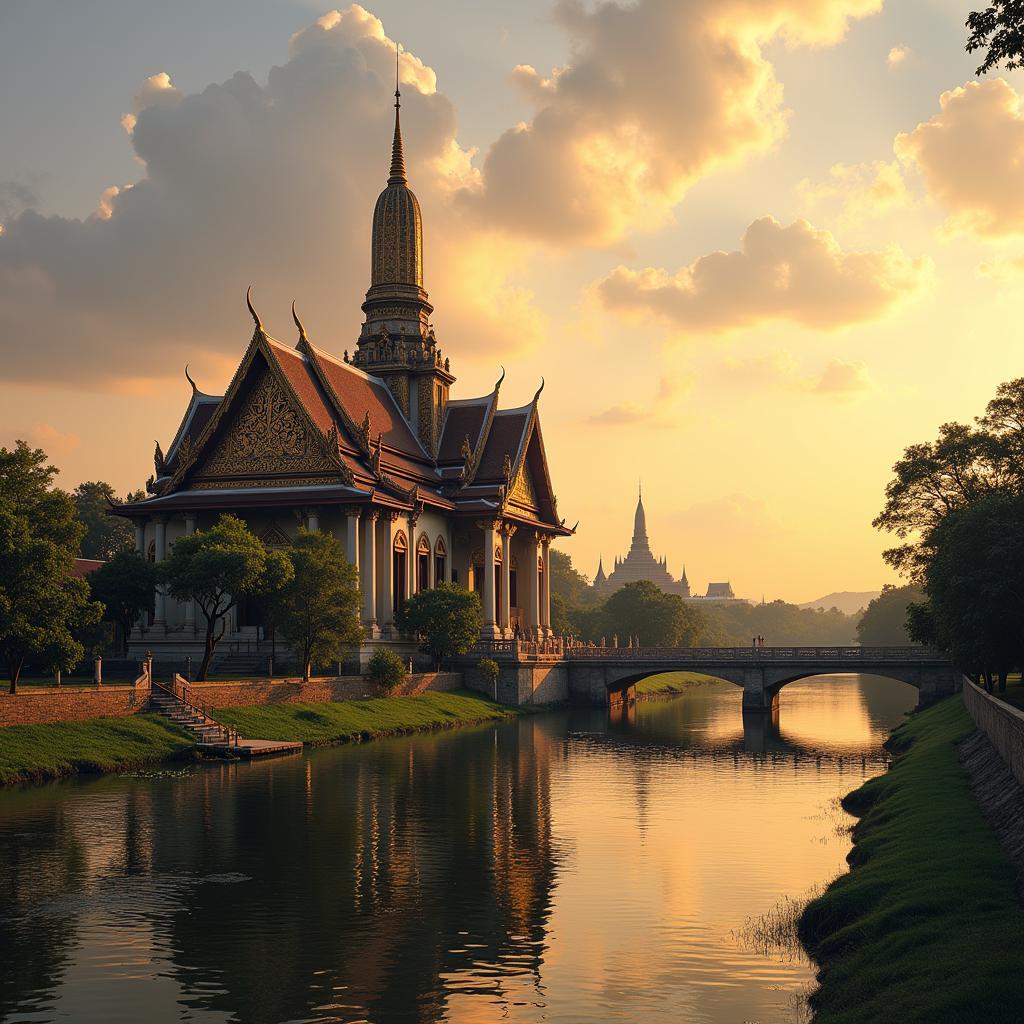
755, 247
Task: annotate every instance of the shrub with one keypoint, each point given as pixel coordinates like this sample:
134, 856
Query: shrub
489, 673
386, 668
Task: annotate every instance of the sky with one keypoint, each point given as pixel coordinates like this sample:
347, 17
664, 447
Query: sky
754, 247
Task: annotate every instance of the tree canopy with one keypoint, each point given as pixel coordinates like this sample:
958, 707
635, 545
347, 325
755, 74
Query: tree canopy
448, 618
659, 620
999, 30
884, 622
317, 610
217, 567
566, 580
125, 585
105, 535
42, 605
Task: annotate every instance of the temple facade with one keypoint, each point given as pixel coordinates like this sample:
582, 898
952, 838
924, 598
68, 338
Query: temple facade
641, 564
421, 488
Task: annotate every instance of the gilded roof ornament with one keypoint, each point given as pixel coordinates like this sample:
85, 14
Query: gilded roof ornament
195, 389
298, 323
253, 313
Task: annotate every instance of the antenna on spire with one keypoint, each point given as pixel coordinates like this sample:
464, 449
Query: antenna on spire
397, 175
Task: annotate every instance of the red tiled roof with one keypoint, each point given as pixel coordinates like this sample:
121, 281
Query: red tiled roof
302, 378
461, 419
84, 566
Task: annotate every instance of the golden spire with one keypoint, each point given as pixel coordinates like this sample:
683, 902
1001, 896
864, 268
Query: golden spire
397, 156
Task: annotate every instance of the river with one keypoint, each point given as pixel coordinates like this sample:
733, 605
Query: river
567, 867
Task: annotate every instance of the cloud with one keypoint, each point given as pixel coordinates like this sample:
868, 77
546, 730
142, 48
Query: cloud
897, 55
731, 514
659, 412
796, 274
265, 184
656, 95
15, 198
56, 443
970, 156
842, 378
853, 193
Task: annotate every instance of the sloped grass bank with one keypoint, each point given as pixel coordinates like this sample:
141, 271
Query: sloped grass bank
39, 752
927, 926
668, 683
354, 720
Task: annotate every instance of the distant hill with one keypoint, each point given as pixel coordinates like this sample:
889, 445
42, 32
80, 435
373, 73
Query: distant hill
847, 601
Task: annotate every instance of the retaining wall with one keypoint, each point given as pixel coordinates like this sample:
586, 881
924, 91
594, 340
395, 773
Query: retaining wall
249, 692
38, 705
1001, 723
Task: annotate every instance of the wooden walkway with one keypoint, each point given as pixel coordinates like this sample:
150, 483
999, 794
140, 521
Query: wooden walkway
248, 749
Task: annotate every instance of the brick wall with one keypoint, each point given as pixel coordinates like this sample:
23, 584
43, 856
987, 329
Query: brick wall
246, 692
34, 705
1001, 722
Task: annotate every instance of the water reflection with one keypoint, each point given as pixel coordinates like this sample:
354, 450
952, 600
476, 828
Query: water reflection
563, 867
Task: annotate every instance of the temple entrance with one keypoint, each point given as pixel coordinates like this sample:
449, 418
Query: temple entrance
399, 574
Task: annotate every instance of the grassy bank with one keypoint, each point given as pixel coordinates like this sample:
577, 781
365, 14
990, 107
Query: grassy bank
347, 720
671, 682
927, 926
38, 752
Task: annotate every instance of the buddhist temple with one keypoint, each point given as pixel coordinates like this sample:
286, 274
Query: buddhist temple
641, 564
421, 488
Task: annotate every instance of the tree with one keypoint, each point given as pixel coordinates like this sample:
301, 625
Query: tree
386, 668
125, 585
105, 535
884, 621
1000, 28
561, 619
317, 610
448, 618
973, 580
217, 567
42, 605
658, 619
566, 580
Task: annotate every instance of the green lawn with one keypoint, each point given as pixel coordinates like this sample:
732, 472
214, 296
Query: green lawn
360, 719
927, 926
671, 682
31, 752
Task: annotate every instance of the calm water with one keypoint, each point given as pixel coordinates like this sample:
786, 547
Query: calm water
564, 867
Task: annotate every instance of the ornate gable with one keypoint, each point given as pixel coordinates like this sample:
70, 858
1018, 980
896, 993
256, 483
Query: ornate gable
522, 494
266, 442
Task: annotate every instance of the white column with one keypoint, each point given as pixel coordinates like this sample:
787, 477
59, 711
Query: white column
449, 556
313, 520
412, 562
190, 606
506, 578
532, 585
160, 602
140, 537
368, 573
545, 597
387, 578
490, 630
352, 537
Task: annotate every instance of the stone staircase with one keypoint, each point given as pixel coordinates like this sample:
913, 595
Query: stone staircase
192, 717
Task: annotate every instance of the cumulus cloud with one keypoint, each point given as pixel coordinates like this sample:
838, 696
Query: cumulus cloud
842, 378
853, 193
656, 413
655, 95
897, 55
796, 274
970, 156
56, 443
270, 184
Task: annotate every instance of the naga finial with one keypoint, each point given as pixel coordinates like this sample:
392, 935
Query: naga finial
539, 390
298, 323
255, 315
195, 388
497, 387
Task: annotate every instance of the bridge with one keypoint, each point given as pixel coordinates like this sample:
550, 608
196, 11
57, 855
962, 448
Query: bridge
553, 670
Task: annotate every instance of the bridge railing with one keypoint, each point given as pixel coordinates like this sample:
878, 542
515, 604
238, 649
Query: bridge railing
756, 655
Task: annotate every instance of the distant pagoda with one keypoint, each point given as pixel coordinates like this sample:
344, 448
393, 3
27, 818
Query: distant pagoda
640, 564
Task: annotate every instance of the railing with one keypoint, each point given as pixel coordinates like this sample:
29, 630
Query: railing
201, 707
757, 655
551, 647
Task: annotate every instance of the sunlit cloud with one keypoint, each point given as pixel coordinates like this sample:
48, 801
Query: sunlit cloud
897, 55
796, 274
656, 95
855, 193
843, 378
970, 155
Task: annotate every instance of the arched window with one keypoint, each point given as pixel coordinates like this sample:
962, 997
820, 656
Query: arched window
151, 551
497, 582
399, 575
274, 537
513, 583
476, 574
423, 564
440, 561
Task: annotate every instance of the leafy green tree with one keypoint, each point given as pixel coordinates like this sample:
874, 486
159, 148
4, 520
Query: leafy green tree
884, 621
42, 605
780, 623
317, 610
386, 668
972, 580
217, 567
125, 585
567, 581
998, 29
561, 619
657, 619
489, 672
448, 618
105, 535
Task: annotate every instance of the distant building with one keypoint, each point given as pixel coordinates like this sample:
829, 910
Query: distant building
641, 564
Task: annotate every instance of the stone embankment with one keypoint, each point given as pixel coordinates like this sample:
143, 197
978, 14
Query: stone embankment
1001, 723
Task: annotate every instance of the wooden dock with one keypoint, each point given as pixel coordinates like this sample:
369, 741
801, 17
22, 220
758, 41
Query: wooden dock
248, 749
